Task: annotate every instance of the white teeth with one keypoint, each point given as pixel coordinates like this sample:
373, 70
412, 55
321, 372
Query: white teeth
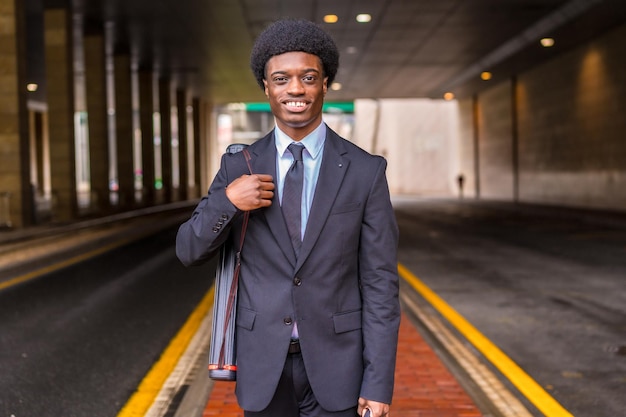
296, 104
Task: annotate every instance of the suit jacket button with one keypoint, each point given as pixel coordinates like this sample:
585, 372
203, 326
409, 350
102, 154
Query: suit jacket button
224, 216
297, 281
215, 229
287, 321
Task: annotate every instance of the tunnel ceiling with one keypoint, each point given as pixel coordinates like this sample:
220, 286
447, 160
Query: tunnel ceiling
411, 48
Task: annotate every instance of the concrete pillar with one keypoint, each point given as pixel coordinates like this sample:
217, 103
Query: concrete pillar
39, 162
146, 121
124, 130
97, 119
165, 104
61, 107
477, 131
196, 149
36, 144
183, 140
15, 190
208, 139
515, 138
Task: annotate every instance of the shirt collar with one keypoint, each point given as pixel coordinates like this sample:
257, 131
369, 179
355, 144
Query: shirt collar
313, 142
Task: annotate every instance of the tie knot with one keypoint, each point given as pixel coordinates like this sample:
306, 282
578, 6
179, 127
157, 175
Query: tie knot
296, 151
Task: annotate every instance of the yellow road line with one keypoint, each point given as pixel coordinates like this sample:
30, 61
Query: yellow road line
151, 385
524, 383
62, 264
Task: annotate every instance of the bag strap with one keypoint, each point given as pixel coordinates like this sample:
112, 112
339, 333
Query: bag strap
246, 215
233, 286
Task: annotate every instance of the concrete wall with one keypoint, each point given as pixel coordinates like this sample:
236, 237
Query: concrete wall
467, 149
570, 130
418, 139
495, 146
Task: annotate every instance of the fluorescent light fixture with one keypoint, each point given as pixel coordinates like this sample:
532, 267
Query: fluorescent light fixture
32, 87
335, 86
331, 18
363, 18
547, 42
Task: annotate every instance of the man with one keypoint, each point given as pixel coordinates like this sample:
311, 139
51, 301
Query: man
318, 313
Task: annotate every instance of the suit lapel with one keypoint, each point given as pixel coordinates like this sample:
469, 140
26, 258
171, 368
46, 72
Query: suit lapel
264, 162
333, 169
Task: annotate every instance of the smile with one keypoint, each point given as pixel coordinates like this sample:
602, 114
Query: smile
295, 104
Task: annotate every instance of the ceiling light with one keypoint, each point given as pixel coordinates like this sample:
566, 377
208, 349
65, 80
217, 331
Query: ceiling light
32, 87
335, 86
331, 18
547, 42
448, 96
363, 18
485, 75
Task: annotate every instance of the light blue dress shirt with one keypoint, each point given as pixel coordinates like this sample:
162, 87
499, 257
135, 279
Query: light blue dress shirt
312, 160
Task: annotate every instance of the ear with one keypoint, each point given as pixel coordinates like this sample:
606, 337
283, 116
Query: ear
325, 85
267, 92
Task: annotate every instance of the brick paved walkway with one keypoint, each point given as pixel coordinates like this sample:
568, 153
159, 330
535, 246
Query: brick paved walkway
424, 387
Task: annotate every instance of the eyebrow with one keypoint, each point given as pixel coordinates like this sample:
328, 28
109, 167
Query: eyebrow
278, 72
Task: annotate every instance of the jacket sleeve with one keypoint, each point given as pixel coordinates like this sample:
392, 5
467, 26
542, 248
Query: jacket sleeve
200, 237
378, 273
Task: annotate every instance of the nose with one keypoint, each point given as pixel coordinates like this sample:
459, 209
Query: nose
295, 87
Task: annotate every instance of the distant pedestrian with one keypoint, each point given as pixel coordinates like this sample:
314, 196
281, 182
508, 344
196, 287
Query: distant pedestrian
460, 180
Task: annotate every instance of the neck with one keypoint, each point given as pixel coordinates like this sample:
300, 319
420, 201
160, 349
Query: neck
297, 133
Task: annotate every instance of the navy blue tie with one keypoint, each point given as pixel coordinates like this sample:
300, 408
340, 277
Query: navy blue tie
292, 196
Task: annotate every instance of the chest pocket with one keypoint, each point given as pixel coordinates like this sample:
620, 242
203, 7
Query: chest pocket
345, 208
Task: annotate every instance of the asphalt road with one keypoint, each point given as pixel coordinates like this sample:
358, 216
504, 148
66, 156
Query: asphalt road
77, 342
547, 286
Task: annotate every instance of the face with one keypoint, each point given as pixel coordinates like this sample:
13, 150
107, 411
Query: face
295, 86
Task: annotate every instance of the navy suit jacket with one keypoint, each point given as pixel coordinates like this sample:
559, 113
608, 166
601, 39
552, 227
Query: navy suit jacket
342, 289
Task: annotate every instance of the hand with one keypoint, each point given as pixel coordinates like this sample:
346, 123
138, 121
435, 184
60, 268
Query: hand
376, 409
250, 192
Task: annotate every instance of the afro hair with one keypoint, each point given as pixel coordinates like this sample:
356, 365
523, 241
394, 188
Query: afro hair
291, 35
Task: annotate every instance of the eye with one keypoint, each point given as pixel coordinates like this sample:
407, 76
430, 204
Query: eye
279, 80
309, 78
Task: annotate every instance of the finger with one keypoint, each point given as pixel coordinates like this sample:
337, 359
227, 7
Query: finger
266, 197
264, 177
266, 186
